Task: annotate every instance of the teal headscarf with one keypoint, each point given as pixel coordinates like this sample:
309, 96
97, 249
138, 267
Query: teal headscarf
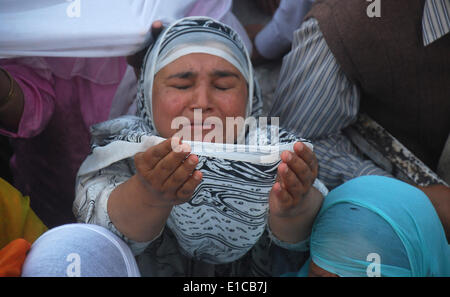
374, 215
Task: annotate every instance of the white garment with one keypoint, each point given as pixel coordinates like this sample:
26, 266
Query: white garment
81, 28
276, 37
102, 157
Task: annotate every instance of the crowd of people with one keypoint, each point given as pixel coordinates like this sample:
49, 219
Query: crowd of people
167, 209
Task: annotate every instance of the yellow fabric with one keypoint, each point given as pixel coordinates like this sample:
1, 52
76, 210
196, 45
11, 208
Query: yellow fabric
17, 219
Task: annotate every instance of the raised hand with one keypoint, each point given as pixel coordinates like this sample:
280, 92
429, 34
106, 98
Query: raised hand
168, 174
296, 174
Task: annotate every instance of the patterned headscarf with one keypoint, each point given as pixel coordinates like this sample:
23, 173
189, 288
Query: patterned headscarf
196, 35
228, 211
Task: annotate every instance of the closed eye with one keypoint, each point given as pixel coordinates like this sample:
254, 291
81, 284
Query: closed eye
181, 80
225, 80
181, 87
222, 88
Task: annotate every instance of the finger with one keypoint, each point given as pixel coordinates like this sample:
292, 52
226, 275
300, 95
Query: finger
156, 153
290, 182
146, 162
306, 154
167, 166
299, 168
157, 27
186, 191
280, 200
181, 174
308, 157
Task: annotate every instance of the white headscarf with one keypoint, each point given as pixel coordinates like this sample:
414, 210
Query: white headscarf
196, 35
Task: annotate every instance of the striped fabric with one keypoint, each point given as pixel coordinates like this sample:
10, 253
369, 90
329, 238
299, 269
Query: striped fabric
436, 20
309, 77
315, 100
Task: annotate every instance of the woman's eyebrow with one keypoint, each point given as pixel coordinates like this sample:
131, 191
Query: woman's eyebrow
184, 75
224, 73
190, 74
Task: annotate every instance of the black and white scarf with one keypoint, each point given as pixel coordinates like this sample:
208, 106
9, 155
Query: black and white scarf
228, 210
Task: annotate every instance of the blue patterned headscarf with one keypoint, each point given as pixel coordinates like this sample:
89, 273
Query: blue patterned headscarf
374, 220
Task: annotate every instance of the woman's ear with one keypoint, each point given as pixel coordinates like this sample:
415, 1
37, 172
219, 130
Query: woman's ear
137, 59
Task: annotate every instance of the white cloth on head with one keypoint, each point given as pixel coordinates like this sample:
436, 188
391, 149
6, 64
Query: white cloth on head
101, 28
197, 30
82, 250
196, 43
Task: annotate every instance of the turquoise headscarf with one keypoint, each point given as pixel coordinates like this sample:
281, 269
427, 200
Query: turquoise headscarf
374, 215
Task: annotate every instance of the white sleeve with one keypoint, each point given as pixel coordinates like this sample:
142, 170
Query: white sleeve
276, 37
91, 200
75, 28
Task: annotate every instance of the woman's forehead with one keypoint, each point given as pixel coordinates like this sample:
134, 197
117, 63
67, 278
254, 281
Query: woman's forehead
200, 62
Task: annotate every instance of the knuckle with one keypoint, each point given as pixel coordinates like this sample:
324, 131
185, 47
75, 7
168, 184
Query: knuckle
165, 166
283, 199
154, 182
313, 164
184, 193
298, 189
293, 183
177, 179
286, 205
156, 152
189, 163
139, 160
140, 169
302, 172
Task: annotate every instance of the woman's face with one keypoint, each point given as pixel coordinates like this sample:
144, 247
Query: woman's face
201, 83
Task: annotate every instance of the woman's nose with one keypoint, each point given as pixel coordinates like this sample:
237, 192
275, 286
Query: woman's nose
201, 99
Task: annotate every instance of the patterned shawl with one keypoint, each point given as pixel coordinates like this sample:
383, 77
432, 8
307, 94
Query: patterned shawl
228, 211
